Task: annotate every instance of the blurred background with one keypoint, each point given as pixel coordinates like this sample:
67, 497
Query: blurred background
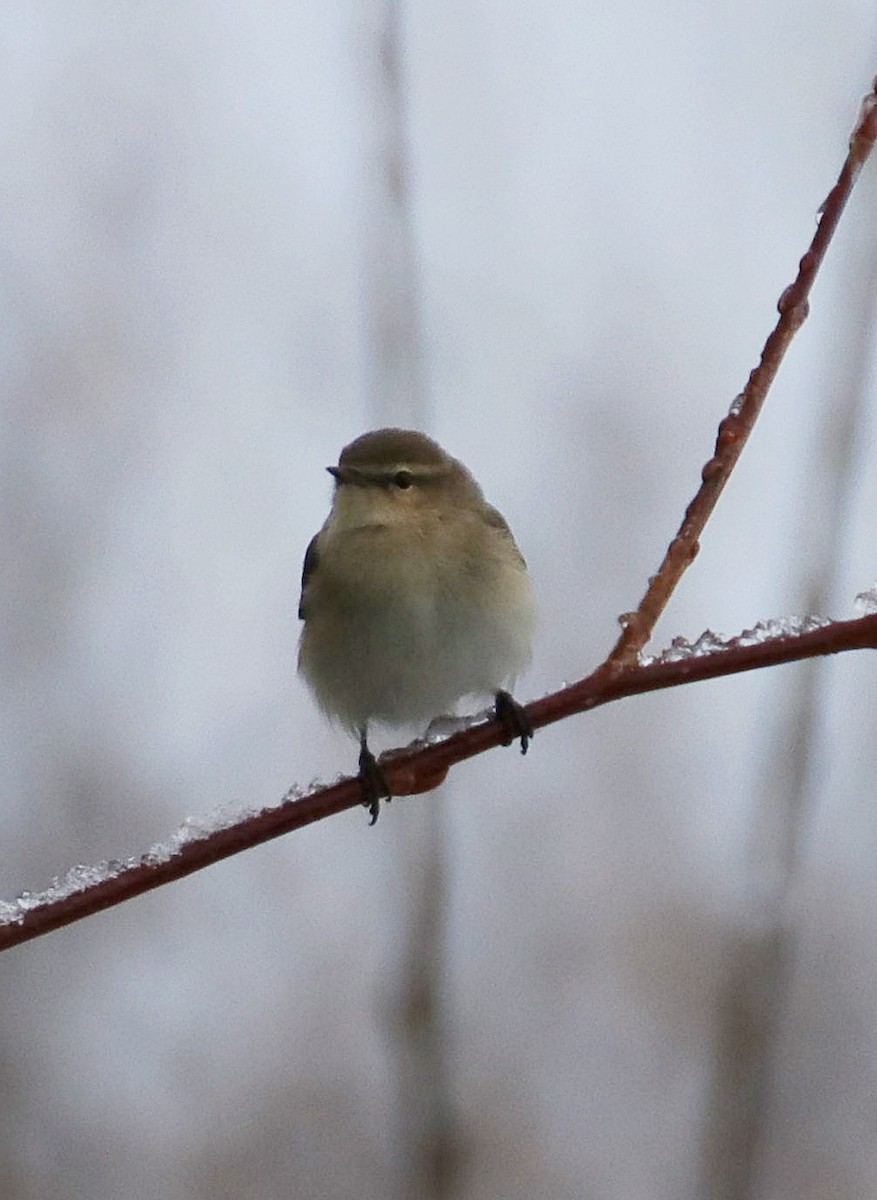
639, 963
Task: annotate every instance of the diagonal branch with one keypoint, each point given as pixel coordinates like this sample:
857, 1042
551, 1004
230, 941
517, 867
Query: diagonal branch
89, 890
412, 771
734, 430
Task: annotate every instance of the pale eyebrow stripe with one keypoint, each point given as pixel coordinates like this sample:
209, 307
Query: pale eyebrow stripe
415, 470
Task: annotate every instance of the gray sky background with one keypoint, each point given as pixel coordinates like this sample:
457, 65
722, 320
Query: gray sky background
198, 252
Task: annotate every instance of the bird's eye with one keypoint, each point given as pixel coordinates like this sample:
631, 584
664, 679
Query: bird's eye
403, 479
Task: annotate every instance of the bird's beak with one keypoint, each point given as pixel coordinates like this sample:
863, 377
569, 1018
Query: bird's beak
342, 474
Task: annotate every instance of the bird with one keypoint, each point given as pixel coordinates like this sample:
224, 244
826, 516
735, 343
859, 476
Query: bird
414, 595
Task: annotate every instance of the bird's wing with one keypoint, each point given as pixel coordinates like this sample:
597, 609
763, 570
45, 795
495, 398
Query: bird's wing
308, 568
495, 518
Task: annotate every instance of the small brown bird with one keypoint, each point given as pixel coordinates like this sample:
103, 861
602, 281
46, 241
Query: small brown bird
414, 595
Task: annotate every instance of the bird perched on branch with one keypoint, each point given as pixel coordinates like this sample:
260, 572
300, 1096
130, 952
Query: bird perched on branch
414, 595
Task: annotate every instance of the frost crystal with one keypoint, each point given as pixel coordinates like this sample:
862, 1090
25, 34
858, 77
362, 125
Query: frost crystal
77, 879
681, 648
441, 728
713, 643
198, 829
81, 877
865, 604
777, 627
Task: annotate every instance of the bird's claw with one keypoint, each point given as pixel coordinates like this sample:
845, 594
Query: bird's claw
514, 720
374, 782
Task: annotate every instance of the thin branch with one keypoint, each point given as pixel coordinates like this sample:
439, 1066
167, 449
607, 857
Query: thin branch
413, 771
418, 770
734, 430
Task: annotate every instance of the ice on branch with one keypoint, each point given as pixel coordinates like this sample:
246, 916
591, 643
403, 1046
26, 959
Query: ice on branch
714, 643
80, 878
77, 879
777, 627
198, 829
865, 604
442, 728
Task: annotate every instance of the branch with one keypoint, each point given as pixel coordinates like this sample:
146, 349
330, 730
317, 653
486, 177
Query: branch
89, 890
734, 431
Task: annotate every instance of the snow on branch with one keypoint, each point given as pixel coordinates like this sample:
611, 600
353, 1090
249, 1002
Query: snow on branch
87, 890
625, 672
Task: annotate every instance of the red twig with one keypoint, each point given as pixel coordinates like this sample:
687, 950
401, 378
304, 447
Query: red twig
419, 770
736, 427
413, 771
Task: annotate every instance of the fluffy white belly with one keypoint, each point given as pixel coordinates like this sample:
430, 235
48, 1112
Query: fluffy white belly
409, 653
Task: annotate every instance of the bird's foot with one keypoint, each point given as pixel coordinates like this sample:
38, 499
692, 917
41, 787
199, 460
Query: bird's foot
514, 720
374, 782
